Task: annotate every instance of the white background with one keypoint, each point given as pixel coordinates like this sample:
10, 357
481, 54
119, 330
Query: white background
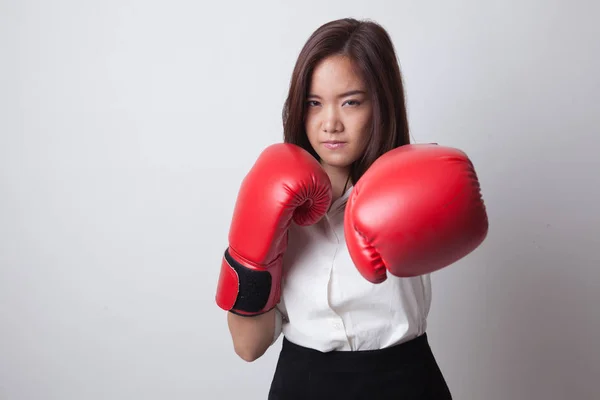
127, 126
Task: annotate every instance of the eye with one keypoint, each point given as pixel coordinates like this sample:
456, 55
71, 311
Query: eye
352, 102
312, 103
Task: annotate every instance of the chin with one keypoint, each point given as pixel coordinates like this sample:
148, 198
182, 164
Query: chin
337, 162
339, 158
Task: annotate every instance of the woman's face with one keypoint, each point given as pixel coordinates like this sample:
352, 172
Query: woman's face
339, 110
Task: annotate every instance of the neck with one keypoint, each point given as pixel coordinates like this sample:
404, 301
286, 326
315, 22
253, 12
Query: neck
339, 178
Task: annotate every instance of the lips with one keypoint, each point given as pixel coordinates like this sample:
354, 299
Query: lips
334, 144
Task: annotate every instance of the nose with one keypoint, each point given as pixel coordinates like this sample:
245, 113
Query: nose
331, 121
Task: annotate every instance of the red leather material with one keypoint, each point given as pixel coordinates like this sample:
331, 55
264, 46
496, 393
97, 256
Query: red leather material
285, 185
227, 287
416, 210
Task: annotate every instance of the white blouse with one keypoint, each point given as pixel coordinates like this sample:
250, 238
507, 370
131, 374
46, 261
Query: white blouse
327, 305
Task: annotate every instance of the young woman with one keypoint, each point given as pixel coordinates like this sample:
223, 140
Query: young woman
289, 268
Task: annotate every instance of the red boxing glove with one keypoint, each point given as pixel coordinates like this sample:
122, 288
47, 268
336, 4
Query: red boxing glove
285, 184
417, 209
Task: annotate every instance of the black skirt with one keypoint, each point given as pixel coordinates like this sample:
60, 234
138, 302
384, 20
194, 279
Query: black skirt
407, 371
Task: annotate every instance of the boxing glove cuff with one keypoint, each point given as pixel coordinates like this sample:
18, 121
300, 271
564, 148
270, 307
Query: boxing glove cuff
246, 290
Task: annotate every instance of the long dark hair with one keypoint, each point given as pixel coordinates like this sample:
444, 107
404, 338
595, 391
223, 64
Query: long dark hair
369, 46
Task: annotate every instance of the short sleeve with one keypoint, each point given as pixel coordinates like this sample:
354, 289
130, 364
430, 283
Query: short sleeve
278, 325
426, 281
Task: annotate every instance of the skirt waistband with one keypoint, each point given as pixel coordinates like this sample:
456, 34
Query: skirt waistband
413, 351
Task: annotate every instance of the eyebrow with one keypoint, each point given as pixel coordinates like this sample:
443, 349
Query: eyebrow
345, 94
